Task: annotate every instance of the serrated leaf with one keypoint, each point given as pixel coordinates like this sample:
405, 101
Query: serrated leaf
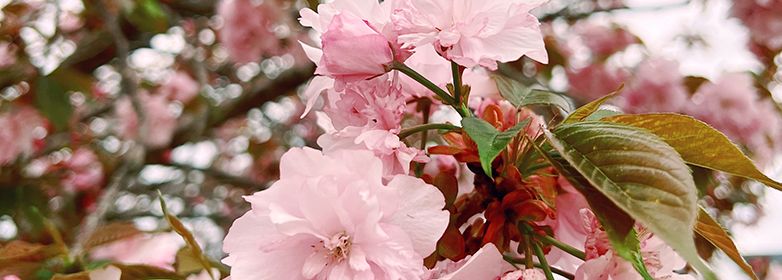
585, 111
490, 142
190, 240
520, 95
713, 232
698, 144
110, 233
641, 174
617, 224
53, 101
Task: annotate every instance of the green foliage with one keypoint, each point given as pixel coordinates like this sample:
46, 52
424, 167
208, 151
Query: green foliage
698, 144
585, 111
490, 142
148, 15
617, 224
713, 232
520, 95
53, 100
641, 174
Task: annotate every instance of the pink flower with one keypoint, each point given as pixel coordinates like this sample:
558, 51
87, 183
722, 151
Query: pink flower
148, 249
7, 54
11, 277
247, 31
762, 18
526, 274
602, 264
486, 264
357, 41
395, 155
85, 172
604, 41
657, 86
18, 133
159, 120
594, 81
473, 32
568, 226
732, 105
374, 104
332, 217
179, 86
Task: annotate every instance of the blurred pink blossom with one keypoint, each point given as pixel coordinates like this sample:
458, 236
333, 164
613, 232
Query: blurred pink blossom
17, 133
594, 81
148, 249
656, 86
179, 86
603, 264
472, 32
11, 277
84, 171
732, 105
247, 31
332, 217
603, 40
7, 54
160, 122
763, 19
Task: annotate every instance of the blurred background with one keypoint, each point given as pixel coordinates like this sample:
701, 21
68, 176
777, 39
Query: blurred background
103, 103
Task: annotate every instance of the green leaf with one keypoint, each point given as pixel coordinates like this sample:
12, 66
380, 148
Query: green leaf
520, 95
148, 15
599, 114
53, 101
180, 229
712, 231
490, 142
617, 224
641, 174
698, 144
585, 111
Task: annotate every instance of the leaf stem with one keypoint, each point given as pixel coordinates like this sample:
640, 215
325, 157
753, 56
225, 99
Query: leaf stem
447, 98
562, 246
542, 259
425, 127
456, 71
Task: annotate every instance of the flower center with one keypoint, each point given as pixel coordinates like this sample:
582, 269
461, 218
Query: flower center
338, 246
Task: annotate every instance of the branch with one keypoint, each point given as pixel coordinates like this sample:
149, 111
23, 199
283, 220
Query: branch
567, 14
220, 175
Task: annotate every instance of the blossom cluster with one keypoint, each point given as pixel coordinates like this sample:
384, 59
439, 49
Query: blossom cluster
355, 210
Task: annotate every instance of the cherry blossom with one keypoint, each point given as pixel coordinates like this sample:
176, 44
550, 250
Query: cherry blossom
473, 32
160, 122
594, 81
85, 172
247, 31
179, 86
18, 133
332, 217
657, 86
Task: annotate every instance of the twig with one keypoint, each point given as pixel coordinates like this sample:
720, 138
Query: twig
565, 13
221, 175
